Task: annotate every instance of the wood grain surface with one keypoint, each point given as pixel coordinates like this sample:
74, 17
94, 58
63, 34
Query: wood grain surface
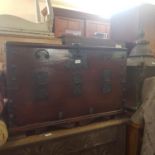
46, 84
103, 138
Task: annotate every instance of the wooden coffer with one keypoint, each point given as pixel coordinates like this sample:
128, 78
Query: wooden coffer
47, 85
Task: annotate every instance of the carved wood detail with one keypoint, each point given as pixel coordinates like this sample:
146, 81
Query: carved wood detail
108, 141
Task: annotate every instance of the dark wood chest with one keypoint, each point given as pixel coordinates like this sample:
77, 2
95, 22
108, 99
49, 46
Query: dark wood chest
47, 85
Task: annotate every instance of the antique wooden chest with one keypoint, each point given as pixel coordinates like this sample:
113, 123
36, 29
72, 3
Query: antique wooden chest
47, 85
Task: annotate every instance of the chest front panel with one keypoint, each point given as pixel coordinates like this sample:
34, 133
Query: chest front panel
50, 84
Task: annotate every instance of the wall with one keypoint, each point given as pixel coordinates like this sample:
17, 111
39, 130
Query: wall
21, 8
26, 8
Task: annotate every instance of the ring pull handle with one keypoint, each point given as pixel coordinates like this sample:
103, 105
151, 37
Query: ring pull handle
42, 53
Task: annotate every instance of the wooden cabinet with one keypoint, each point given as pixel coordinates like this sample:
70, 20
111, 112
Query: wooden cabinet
64, 25
78, 23
80, 27
93, 27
